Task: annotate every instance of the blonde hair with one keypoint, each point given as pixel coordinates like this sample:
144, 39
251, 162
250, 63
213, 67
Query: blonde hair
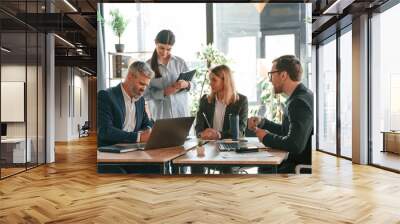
230, 94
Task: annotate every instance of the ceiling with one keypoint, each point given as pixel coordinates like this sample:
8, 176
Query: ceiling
329, 16
74, 22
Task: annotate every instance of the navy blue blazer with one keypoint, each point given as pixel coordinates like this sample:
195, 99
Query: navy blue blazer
111, 117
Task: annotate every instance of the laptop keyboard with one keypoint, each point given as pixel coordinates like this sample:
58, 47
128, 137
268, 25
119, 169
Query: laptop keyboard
226, 147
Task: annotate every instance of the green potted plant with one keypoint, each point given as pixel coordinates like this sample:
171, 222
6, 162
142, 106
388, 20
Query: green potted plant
118, 24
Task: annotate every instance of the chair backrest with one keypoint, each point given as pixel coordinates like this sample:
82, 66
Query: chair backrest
309, 150
86, 125
306, 167
300, 167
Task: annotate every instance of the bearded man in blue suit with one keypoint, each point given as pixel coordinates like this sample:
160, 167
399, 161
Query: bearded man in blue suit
121, 115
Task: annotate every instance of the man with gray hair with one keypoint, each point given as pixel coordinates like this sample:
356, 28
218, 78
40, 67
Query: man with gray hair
121, 115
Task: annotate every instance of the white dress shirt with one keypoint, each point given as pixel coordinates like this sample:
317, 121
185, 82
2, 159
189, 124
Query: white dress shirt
219, 115
130, 113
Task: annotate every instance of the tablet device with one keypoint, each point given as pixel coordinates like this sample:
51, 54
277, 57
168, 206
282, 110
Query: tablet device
187, 76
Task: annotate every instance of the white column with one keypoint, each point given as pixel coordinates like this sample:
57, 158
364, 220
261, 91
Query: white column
50, 99
360, 90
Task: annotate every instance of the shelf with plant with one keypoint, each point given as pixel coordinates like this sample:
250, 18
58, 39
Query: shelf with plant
118, 24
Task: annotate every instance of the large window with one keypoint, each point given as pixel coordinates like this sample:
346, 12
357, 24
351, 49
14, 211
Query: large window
334, 62
346, 93
243, 50
237, 37
385, 84
279, 44
251, 35
327, 96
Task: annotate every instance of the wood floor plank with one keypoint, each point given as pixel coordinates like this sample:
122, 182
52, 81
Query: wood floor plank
71, 191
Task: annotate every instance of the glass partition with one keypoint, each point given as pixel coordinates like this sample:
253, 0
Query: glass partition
14, 153
22, 90
31, 98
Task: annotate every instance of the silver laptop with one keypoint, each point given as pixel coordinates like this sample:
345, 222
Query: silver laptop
165, 133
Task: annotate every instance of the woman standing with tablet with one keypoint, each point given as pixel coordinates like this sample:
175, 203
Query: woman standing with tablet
167, 97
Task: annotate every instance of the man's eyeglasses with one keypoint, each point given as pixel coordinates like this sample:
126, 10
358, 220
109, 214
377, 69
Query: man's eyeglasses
270, 74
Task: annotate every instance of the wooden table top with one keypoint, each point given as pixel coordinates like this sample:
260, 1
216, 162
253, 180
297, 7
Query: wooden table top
213, 156
146, 156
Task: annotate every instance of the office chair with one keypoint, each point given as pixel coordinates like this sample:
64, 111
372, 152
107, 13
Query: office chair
84, 130
304, 167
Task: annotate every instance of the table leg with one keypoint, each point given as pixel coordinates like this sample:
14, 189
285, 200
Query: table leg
165, 168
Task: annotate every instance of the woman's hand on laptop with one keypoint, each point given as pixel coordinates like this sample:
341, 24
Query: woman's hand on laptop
210, 134
145, 135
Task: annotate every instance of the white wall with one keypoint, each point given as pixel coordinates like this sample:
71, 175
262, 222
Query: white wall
61, 103
79, 117
71, 87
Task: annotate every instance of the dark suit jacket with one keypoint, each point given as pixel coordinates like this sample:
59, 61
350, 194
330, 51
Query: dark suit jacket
240, 108
294, 134
111, 116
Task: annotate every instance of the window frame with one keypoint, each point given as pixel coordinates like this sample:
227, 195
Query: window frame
334, 37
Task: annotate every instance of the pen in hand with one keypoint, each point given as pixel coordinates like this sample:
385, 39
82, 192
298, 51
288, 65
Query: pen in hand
205, 117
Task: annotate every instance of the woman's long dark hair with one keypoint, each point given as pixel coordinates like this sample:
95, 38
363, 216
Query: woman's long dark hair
163, 37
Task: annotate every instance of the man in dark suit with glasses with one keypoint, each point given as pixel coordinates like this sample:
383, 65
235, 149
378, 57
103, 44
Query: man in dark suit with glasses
294, 134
